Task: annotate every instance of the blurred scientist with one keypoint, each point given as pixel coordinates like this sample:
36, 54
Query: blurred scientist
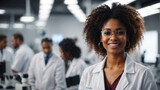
23, 54
5, 54
71, 52
47, 71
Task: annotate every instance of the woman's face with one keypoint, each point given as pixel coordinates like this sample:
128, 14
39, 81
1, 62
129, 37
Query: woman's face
64, 55
113, 36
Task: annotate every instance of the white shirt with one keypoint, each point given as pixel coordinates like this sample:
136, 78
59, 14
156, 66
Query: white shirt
6, 56
47, 77
76, 67
22, 59
134, 77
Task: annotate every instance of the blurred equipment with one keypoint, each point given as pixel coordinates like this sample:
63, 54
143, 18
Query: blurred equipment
157, 60
8, 80
74, 80
25, 85
6, 77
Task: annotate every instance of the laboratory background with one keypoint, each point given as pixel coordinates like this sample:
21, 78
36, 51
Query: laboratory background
60, 19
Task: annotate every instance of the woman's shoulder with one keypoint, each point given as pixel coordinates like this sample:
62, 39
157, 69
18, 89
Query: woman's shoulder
140, 67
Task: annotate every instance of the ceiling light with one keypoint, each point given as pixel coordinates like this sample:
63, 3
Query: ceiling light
40, 23
109, 2
45, 7
2, 11
46, 2
27, 19
44, 12
4, 25
77, 12
70, 2
149, 10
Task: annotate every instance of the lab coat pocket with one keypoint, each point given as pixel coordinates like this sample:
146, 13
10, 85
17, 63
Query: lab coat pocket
88, 88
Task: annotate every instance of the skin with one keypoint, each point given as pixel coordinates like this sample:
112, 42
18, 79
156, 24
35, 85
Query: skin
47, 47
3, 43
115, 62
65, 55
16, 42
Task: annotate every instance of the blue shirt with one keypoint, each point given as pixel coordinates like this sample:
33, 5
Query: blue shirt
47, 58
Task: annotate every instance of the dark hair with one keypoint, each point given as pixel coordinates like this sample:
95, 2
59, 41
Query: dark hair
2, 37
18, 36
127, 15
68, 45
46, 40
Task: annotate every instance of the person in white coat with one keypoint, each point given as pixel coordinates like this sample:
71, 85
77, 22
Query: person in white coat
47, 71
75, 66
23, 54
114, 32
5, 54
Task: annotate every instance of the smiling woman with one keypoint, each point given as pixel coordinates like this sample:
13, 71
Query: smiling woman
113, 33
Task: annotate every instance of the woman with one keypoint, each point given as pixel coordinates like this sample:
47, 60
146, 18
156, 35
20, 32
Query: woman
71, 53
114, 32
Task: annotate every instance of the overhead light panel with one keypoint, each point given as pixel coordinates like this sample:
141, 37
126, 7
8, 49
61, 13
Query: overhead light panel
47, 2
68, 2
27, 19
40, 23
109, 2
2, 11
149, 10
44, 12
45, 7
4, 25
77, 12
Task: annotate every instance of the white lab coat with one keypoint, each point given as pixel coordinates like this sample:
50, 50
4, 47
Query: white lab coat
47, 77
76, 67
134, 77
22, 59
6, 56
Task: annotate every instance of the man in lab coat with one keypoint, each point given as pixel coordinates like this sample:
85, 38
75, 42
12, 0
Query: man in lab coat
4, 54
47, 71
23, 54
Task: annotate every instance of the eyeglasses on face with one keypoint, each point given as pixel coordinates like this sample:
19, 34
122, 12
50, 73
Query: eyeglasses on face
108, 33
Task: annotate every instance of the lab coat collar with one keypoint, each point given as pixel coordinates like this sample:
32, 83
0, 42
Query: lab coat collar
52, 60
129, 65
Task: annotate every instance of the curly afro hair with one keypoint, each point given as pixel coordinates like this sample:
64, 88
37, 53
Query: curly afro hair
127, 15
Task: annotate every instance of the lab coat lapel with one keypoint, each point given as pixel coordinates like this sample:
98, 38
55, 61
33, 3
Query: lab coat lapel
50, 62
129, 68
42, 62
71, 67
100, 78
101, 85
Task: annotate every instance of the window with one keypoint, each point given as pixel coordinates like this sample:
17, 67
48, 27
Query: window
150, 46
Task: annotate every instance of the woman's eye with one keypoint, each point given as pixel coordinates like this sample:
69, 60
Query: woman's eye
107, 33
120, 33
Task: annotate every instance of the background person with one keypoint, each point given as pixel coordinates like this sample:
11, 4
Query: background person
23, 54
71, 53
47, 71
5, 54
